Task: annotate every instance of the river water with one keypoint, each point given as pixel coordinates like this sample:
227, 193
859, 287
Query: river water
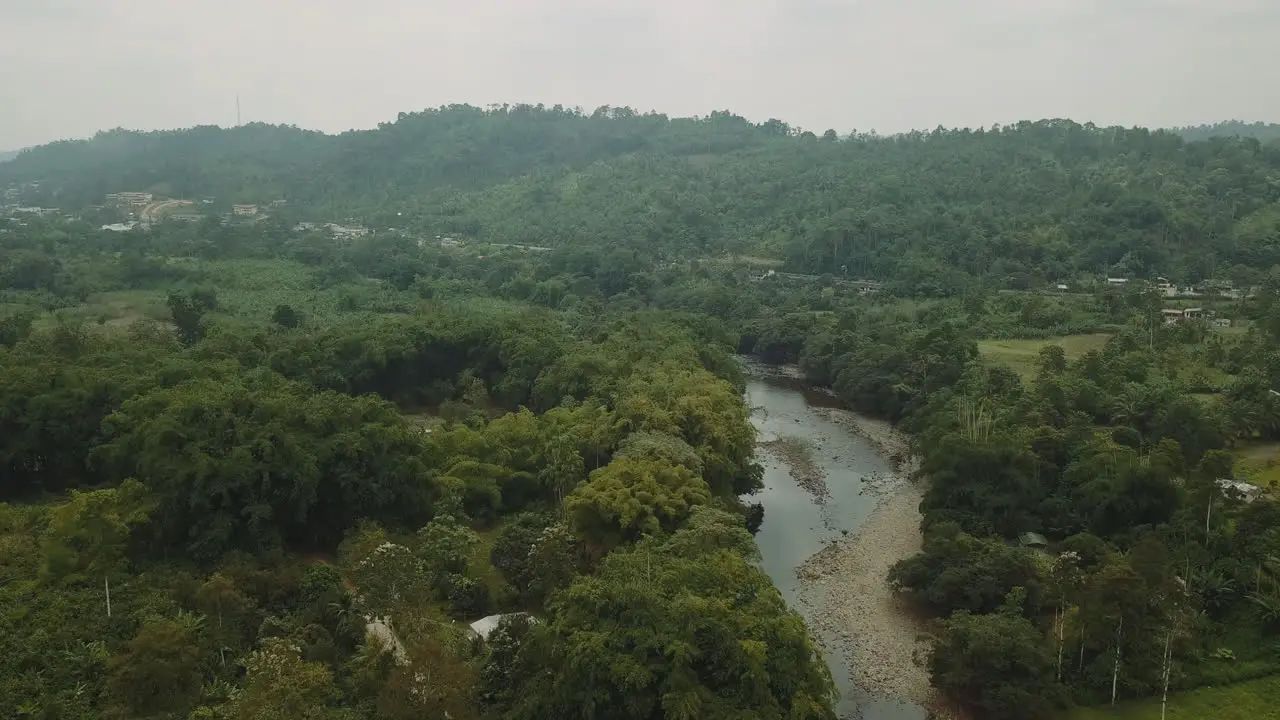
797, 525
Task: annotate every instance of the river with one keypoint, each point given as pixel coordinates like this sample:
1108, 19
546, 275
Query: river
799, 521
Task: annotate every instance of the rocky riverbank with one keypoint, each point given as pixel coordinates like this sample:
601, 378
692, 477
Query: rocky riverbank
846, 588
890, 441
797, 453
842, 588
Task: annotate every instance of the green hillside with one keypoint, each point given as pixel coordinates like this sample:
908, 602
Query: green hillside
1027, 203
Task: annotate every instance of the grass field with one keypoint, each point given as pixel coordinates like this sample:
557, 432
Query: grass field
114, 309
1259, 463
480, 565
1253, 700
1021, 355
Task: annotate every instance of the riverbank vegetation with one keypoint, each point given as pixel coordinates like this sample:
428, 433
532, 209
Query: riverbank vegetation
256, 469
206, 507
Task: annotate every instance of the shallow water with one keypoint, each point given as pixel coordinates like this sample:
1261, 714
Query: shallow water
796, 525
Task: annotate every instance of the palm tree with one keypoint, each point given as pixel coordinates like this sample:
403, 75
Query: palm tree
1126, 409
1269, 608
343, 612
1216, 588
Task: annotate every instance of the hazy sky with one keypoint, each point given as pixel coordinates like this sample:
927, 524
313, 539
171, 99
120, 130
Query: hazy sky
71, 67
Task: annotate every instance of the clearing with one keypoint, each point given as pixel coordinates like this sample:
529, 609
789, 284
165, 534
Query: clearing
1259, 463
1022, 355
1252, 700
115, 309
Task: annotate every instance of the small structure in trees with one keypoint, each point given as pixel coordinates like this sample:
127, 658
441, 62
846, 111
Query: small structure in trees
486, 625
1246, 491
1036, 541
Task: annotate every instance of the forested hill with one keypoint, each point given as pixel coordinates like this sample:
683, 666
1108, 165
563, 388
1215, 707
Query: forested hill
1051, 200
1232, 128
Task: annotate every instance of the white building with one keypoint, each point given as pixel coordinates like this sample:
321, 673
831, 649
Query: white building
1246, 491
347, 231
485, 626
130, 198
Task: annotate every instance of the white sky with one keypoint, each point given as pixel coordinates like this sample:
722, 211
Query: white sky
71, 67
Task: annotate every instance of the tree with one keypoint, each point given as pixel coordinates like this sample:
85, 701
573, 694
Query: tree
158, 671
15, 327
252, 462
279, 685
387, 578
219, 598
188, 317
957, 571
555, 560
670, 631
997, 664
435, 683
704, 411
445, 545
660, 447
513, 552
90, 534
986, 484
630, 498
286, 317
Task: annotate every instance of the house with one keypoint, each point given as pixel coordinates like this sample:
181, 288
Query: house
244, 210
1173, 315
485, 626
346, 231
1215, 287
1033, 540
120, 227
130, 198
1222, 322
1115, 282
1245, 491
1061, 287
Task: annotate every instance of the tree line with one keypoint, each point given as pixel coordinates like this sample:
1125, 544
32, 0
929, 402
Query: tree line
1047, 201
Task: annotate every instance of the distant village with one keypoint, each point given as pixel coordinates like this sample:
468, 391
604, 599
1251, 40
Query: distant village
1206, 290
140, 210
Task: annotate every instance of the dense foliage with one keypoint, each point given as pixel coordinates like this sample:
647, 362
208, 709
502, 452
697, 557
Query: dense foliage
219, 509
1038, 202
254, 470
